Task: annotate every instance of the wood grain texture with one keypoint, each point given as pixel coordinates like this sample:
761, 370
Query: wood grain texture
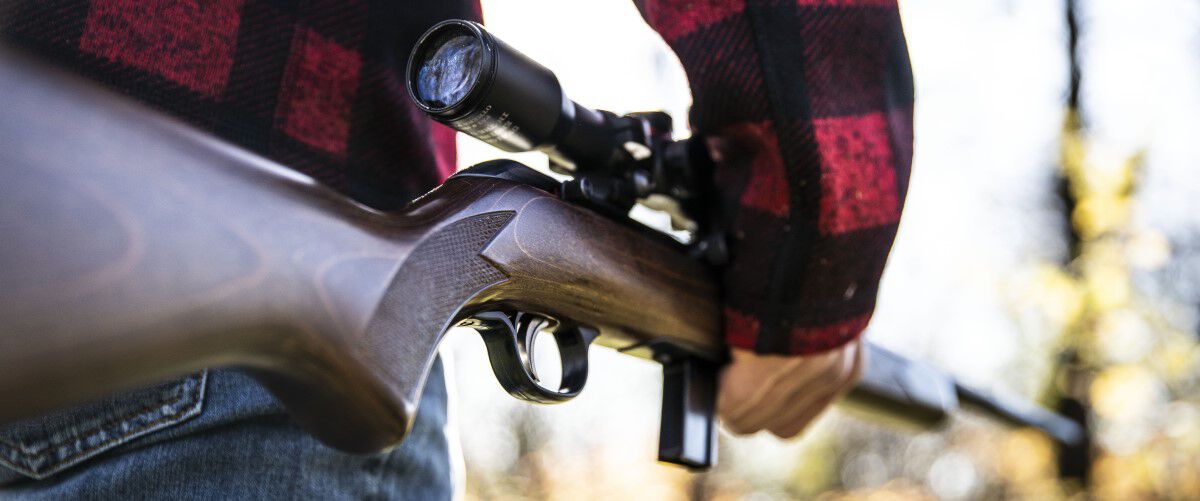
136, 249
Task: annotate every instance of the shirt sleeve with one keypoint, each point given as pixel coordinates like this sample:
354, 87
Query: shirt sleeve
807, 110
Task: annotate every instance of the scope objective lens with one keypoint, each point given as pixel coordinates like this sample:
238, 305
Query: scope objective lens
462, 76
450, 72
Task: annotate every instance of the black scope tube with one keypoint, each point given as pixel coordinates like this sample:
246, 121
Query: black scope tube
504, 98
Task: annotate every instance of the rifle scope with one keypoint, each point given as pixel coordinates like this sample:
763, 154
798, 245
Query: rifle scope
464, 77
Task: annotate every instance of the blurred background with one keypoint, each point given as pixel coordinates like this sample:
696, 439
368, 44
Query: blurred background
1050, 248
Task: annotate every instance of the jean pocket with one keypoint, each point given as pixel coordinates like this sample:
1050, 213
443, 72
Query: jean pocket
46, 445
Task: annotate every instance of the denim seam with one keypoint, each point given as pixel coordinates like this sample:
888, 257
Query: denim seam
27, 455
41, 446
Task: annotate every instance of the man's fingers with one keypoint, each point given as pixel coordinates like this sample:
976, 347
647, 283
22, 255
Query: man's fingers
806, 402
779, 390
783, 395
740, 408
810, 406
744, 381
745, 385
796, 425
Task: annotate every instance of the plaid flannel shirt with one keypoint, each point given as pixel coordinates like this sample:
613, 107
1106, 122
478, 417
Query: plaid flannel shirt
807, 105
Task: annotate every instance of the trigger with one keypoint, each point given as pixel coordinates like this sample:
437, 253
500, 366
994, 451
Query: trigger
508, 338
530, 336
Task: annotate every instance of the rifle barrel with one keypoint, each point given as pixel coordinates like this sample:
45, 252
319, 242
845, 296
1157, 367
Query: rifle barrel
1022, 413
918, 395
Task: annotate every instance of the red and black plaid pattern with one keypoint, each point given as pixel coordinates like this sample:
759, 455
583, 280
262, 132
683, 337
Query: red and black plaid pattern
808, 104
316, 85
808, 108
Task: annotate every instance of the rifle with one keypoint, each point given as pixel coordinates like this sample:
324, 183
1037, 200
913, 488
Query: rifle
138, 248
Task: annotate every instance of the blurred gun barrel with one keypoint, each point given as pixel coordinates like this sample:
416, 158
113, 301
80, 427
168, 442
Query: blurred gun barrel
916, 394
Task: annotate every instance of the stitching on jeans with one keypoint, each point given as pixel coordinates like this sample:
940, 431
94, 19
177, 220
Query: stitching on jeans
194, 396
43, 446
47, 444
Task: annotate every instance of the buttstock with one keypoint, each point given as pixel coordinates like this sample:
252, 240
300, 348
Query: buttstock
126, 265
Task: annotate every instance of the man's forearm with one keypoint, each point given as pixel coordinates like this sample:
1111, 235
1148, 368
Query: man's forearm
809, 109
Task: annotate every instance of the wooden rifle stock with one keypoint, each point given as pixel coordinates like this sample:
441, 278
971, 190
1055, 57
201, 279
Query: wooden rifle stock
136, 248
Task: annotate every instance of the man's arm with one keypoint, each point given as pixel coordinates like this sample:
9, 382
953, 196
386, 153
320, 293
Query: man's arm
807, 105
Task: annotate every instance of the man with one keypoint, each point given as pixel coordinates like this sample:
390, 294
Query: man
807, 105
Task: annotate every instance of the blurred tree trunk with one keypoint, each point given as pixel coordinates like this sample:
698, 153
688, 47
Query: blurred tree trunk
1070, 378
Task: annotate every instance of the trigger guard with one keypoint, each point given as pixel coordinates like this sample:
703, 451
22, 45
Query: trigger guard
509, 351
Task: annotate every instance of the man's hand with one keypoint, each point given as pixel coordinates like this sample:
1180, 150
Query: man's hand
784, 394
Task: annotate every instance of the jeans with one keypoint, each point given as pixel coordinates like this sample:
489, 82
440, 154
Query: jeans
214, 435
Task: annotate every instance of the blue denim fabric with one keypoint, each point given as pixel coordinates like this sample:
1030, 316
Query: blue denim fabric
214, 435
